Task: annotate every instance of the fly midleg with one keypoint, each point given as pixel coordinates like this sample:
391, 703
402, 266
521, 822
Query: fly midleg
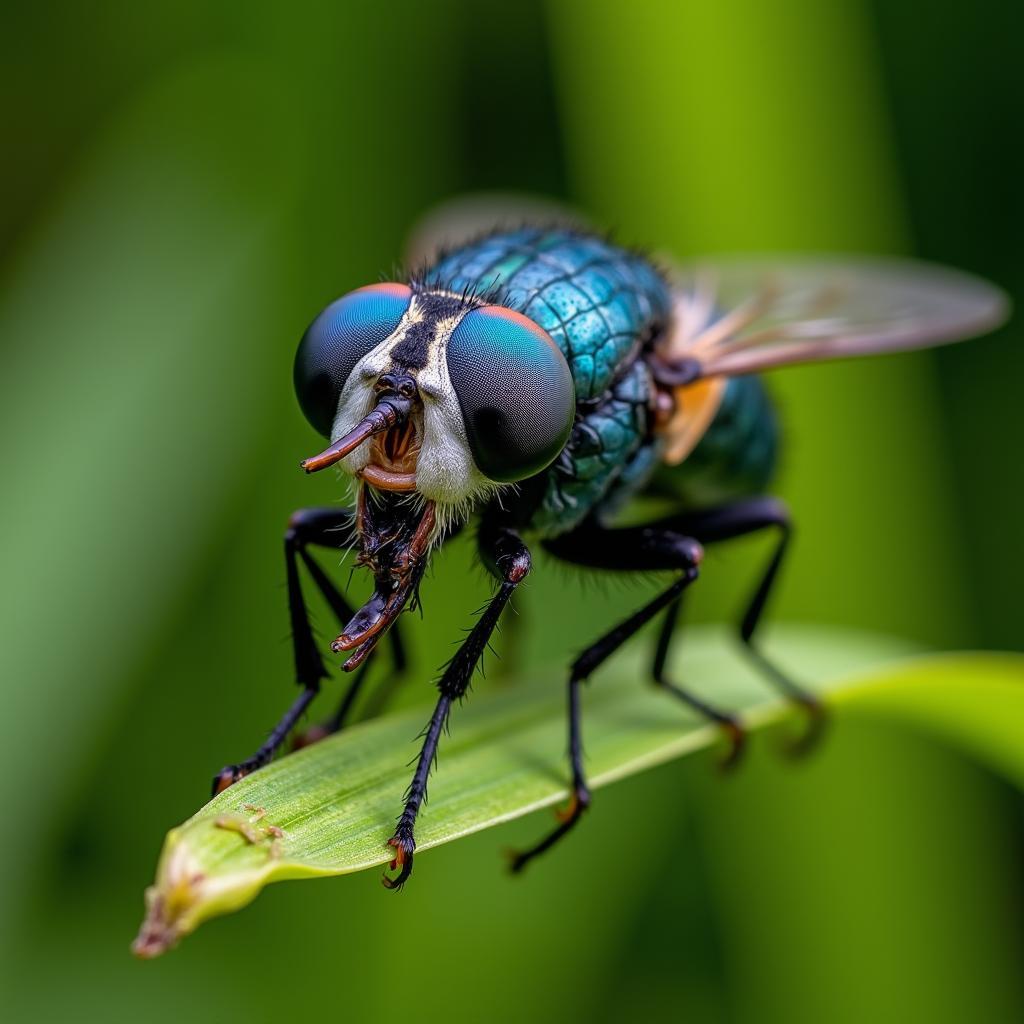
737, 519
728, 722
634, 549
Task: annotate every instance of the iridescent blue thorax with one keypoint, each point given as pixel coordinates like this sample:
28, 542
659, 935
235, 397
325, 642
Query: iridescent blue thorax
604, 306
599, 302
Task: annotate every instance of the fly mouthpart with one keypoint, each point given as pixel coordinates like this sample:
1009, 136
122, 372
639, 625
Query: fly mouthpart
396, 542
390, 411
393, 457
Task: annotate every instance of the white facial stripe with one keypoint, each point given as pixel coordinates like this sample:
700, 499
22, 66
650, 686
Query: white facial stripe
445, 471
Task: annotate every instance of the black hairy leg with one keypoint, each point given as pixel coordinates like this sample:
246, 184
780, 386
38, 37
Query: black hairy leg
636, 549
328, 528
343, 612
738, 519
508, 560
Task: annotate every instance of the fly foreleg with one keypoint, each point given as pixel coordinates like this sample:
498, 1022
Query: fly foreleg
322, 527
343, 612
507, 558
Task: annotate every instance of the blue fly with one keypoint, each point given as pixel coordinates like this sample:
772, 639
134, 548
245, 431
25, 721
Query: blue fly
538, 378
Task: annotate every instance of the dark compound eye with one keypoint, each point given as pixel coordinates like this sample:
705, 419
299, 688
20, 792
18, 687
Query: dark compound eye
337, 339
515, 391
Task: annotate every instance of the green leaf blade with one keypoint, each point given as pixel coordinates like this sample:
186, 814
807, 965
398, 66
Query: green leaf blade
330, 808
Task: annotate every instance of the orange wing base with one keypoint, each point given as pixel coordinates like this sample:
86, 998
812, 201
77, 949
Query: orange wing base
696, 405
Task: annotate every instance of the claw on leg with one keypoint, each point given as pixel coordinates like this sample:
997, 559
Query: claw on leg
567, 818
808, 703
404, 847
736, 736
731, 725
307, 737
816, 721
228, 776
571, 810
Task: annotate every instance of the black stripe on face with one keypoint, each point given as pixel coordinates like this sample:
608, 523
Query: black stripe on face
412, 351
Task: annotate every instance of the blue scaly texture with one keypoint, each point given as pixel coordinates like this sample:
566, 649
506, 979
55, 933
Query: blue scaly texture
598, 302
601, 304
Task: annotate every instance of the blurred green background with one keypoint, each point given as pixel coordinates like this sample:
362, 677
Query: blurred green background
184, 186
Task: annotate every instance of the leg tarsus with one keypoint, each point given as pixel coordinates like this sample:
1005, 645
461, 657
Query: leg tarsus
730, 724
226, 777
736, 736
230, 774
311, 735
808, 704
404, 839
815, 727
579, 801
736, 520
568, 817
404, 844
508, 558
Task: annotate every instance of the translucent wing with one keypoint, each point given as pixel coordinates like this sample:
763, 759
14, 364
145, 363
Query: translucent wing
460, 220
743, 315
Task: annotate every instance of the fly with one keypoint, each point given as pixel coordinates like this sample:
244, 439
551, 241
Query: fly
537, 379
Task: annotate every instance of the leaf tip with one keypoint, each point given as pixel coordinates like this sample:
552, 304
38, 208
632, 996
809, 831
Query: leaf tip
169, 902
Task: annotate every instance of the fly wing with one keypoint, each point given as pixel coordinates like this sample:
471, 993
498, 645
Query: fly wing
456, 221
744, 315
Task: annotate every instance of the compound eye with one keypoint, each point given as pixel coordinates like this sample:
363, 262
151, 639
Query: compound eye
337, 339
515, 391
